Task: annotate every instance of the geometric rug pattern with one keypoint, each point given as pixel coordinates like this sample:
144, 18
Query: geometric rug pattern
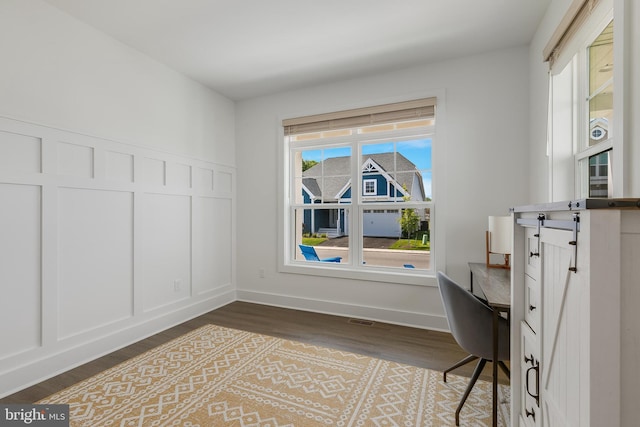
215, 376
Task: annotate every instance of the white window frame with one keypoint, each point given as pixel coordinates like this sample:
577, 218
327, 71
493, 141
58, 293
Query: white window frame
374, 192
583, 150
575, 55
401, 276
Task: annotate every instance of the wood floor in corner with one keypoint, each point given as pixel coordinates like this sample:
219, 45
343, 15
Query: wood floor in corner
418, 347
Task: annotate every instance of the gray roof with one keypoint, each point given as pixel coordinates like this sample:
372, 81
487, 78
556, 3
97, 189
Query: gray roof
326, 179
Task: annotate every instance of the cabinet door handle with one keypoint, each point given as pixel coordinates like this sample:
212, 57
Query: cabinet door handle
532, 307
532, 254
531, 414
526, 386
528, 359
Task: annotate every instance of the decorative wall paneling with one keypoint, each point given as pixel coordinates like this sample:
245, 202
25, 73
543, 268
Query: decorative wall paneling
101, 244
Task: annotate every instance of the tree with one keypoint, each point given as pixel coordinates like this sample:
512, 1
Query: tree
409, 220
308, 164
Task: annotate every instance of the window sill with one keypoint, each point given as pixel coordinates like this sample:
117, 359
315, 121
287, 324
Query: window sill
413, 277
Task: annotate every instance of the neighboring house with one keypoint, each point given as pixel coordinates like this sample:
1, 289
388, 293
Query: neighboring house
330, 182
598, 130
599, 164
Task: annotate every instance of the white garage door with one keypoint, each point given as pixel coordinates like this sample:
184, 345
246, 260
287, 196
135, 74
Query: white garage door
381, 223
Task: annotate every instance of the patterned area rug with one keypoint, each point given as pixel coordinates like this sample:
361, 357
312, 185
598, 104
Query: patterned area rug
215, 376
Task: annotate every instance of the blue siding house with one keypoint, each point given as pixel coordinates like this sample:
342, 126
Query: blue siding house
386, 177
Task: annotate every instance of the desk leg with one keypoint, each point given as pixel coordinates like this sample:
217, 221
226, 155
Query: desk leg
496, 316
471, 281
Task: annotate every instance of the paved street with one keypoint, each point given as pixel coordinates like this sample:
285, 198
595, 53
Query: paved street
381, 257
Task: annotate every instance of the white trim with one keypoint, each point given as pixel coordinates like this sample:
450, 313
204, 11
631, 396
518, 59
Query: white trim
21, 123
48, 366
343, 190
312, 196
575, 55
621, 167
366, 181
286, 248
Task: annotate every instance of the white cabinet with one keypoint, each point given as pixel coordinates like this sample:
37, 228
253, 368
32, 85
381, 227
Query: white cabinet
530, 377
570, 271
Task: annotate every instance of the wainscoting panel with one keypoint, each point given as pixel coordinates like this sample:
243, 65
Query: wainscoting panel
95, 260
212, 245
179, 175
75, 160
223, 182
205, 179
153, 172
20, 269
119, 166
166, 244
103, 243
20, 152
222, 243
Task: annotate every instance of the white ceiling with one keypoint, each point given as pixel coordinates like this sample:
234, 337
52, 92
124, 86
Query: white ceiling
248, 48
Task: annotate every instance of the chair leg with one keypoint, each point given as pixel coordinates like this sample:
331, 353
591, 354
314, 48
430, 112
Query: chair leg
469, 358
474, 378
504, 369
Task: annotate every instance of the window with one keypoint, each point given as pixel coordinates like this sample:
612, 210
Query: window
599, 104
370, 186
383, 221
598, 177
582, 100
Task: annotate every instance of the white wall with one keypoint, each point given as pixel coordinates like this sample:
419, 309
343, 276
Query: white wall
59, 72
117, 189
539, 173
484, 172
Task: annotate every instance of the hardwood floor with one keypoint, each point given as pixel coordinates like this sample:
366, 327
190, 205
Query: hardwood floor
418, 347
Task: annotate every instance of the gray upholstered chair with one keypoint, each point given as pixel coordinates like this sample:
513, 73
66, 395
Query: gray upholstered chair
471, 324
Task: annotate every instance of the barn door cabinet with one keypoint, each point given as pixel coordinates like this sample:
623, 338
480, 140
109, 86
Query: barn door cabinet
575, 278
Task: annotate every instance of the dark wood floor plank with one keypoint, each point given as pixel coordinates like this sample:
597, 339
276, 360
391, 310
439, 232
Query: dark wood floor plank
413, 346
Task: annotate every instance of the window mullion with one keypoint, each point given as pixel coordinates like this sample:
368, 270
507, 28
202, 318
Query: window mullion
599, 90
356, 238
595, 149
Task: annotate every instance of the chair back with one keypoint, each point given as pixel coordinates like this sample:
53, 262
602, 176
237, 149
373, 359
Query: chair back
309, 253
471, 321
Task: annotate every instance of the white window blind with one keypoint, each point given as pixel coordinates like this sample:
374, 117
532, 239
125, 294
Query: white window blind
380, 114
578, 13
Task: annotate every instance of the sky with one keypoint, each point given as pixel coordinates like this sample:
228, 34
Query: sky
418, 151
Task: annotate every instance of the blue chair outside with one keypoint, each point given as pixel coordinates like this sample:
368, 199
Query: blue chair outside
310, 254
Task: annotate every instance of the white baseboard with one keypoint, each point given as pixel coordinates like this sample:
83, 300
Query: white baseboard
404, 318
50, 365
53, 364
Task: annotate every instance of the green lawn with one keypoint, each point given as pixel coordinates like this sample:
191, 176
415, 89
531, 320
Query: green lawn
313, 241
414, 245
405, 244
